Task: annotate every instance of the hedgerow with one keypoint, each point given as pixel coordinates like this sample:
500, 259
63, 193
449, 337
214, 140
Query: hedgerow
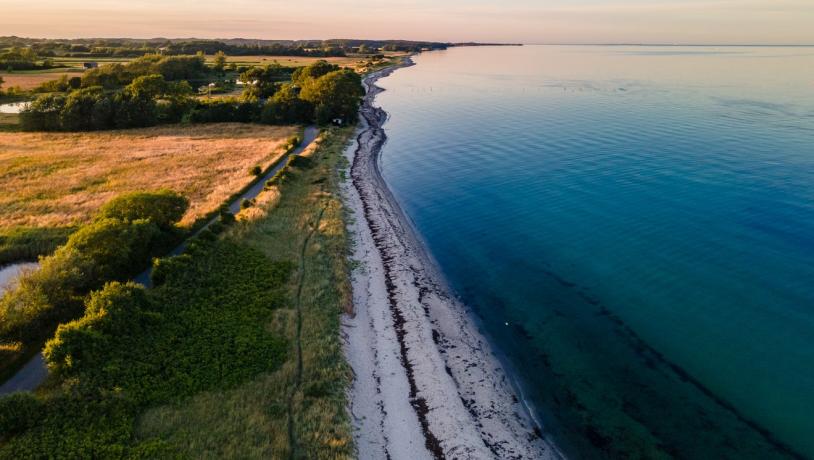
106, 249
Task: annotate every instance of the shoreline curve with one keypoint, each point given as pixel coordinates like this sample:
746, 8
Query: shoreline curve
427, 383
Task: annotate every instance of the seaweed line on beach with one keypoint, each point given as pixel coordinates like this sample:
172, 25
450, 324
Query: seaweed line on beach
432, 330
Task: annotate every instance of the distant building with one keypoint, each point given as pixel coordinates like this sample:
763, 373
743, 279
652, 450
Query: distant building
90, 65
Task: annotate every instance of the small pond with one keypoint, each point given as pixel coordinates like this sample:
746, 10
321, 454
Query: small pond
13, 107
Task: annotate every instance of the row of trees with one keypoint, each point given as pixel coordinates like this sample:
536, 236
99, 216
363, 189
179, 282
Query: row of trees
146, 101
22, 59
170, 67
318, 93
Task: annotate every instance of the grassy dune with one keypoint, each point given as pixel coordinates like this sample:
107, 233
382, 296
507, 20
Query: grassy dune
297, 411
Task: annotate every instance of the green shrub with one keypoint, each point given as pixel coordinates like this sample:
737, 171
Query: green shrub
165, 265
255, 170
299, 161
19, 412
163, 208
225, 216
113, 317
107, 249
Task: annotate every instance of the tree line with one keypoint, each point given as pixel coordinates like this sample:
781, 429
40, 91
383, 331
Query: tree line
102, 47
155, 90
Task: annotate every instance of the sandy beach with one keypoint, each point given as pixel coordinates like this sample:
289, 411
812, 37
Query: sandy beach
427, 383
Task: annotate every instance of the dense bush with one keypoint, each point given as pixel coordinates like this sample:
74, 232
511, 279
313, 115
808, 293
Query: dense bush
104, 250
163, 208
89, 109
19, 412
287, 107
223, 110
43, 114
203, 328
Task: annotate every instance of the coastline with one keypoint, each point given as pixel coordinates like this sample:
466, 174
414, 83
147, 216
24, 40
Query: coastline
427, 383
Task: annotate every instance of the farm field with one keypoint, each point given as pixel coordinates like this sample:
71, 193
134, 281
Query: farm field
61, 179
30, 79
52, 182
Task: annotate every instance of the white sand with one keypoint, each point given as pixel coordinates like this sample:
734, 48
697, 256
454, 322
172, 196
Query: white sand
427, 384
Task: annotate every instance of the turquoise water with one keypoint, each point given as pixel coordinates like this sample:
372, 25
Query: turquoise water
643, 220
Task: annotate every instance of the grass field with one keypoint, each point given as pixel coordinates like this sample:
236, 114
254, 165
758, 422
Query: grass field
9, 122
52, 182
31, 79
59, 179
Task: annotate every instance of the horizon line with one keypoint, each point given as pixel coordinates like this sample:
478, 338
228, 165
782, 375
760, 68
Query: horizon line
453, 42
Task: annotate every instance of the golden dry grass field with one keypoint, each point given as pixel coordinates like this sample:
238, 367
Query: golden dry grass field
61, 179
31, 80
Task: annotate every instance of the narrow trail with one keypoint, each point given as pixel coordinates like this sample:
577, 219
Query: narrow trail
292, 432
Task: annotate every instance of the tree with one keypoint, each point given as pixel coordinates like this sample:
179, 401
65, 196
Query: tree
262, 82
43, 113
315, 70
147, 86
133, 111
287, 107
334, 95
220, 62
79, 108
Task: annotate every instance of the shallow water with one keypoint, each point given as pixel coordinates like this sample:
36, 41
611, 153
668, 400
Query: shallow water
643, 218
9, 274
13, 107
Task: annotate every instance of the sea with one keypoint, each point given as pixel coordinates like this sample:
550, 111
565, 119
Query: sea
632, 227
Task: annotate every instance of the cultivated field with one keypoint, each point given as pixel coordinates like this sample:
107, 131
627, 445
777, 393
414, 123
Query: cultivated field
30, 79
60, 179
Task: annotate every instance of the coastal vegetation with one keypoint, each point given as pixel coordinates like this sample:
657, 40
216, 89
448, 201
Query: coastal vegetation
116, 245
239, 335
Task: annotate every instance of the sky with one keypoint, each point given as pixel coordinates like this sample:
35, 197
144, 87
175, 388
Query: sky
515, 21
